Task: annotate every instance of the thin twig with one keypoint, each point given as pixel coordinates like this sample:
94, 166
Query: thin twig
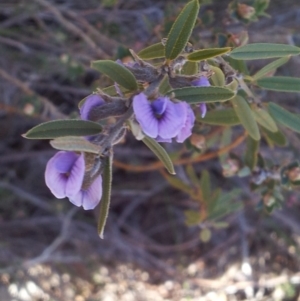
46, 102
72, 28
158, 164
47, 254
24, 195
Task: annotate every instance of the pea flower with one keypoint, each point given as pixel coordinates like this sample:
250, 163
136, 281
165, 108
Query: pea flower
91, 102
161, 118
202, 82
186, 130
64, 176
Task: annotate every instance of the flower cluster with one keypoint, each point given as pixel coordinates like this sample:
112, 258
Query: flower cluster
66, 174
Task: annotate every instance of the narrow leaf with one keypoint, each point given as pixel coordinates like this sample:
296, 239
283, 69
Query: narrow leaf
246, 116
76, 144
263, 51
286, 118
106, 194
278, 138
164, 86
117, 73
154, 51
202, 94
160, 152
264, 118
181, 30
221, 117
218, 77
251, 152
63, 128
270, 67
205, 54
190, 68
280, 83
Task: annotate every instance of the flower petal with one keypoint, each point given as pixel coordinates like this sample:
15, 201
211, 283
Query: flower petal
144, 115
91, 101
172, 120
186, 130
89, 198
159, 105
203, 109
55, 180
201, 82
75, 177
159, 139
63, 161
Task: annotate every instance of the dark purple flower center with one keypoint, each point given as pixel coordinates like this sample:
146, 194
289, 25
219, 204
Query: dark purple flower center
159, 107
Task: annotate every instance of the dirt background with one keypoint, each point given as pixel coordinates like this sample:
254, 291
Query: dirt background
50, 250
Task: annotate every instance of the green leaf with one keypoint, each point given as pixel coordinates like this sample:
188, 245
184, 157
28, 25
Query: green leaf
205, 54
246, 116
76, 144
238, 65
202, 94
205, 186
181, 30
106, 194
111, 90
218, 77
263, 51
278, 138
251, 152
154, 51
164, 86
264, 118
221, 117
270, 67
117, 73
61, 128
192, 217
160, 152
190, 68
205, 235
280, 83
286, 118
225, 204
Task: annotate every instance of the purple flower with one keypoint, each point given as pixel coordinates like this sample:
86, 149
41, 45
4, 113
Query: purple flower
90, 197
202, 82
161, 119
92, 101
186, 130
64, 176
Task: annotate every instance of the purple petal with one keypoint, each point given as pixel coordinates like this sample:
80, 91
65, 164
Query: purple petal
76, 176
203, 109
172, 120
55, 180
144, 115
159, 139
89, 198
63, 161
91, 102
201, 82
186, 130
159, 105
